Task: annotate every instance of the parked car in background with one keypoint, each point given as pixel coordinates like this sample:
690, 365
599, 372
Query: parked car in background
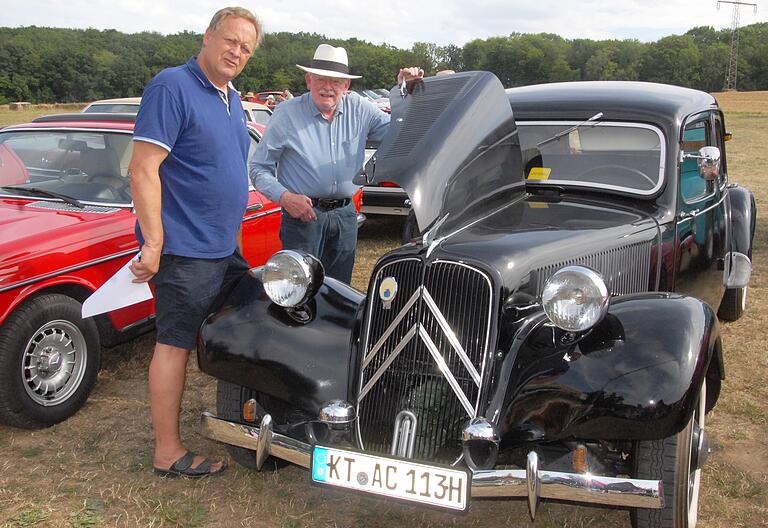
553, 334
261, 97
68, 225
123, 105
381, 102
385, 198
256, 113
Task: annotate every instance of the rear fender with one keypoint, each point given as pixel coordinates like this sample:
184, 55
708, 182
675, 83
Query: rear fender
304, 358
634, 377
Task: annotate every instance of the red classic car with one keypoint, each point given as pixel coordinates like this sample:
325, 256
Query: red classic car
67, 226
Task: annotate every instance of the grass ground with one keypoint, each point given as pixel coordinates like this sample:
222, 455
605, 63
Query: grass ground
94, 469
10, 117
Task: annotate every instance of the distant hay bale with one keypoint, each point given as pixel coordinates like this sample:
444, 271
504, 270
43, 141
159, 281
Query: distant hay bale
19, 105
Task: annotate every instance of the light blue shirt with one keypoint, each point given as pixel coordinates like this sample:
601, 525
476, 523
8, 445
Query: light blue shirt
304, 153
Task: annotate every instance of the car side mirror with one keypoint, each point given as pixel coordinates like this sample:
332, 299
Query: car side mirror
708, 162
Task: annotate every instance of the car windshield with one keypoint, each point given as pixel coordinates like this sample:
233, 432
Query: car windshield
113, 108
626, 157
88, 166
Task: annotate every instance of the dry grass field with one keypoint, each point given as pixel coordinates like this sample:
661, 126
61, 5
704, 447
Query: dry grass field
10, 117
95, 469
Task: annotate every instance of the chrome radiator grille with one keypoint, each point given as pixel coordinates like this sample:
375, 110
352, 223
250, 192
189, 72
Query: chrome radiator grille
624, 269
426, 354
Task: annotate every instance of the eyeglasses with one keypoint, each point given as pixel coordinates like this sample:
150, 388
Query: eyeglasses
333, 81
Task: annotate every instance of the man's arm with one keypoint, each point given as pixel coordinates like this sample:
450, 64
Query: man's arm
262, 169
144, 169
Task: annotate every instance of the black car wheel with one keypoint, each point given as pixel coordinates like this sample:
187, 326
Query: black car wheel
49, 359
410, 228
677, 461
733, 304
230, 398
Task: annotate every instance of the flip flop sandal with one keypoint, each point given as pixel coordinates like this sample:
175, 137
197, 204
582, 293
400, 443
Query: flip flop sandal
183, 468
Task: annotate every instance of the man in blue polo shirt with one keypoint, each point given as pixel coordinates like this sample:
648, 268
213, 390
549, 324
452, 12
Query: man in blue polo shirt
190, 189
318, 142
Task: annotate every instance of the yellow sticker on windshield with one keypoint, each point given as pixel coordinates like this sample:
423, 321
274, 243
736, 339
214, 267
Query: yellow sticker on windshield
539, 173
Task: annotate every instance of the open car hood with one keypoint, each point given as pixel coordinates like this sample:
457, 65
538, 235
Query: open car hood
452, 144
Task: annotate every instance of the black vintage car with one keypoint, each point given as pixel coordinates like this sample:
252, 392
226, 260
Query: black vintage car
553, 334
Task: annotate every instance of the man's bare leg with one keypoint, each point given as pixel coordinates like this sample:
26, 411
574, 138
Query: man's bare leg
167, 375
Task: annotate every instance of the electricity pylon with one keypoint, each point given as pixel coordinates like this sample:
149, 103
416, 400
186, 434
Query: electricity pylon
733, 60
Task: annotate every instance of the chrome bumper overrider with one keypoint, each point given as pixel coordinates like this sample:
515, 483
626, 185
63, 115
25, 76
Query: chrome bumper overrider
532, 482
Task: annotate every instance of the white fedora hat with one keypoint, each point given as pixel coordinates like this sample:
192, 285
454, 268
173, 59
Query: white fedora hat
330, 62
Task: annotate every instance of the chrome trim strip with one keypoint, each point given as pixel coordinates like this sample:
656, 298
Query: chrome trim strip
445, 371
396, 352
375, 189
451, 336
51, 127
260, 215
697, 212
400, 316
68, 270
662, 156
576, 487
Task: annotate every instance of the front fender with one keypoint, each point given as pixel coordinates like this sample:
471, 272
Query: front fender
304, 359
634, 377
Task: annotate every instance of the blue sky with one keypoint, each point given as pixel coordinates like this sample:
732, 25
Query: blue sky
397, 22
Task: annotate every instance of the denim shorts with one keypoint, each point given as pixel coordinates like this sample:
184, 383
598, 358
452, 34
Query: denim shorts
185, 290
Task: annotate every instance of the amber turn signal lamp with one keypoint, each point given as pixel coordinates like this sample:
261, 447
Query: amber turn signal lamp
580, 459
249, 411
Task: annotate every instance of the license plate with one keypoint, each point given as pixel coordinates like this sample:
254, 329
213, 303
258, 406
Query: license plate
440, 486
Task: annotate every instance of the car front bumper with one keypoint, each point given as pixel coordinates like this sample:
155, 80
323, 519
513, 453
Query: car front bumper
385, 201
532, 482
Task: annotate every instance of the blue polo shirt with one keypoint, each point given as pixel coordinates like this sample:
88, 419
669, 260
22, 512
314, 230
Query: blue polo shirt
205, 176
316, 157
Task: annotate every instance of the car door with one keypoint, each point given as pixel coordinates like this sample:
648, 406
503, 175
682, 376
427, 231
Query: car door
701, 233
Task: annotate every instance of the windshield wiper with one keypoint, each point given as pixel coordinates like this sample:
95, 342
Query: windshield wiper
567, 131
43, 192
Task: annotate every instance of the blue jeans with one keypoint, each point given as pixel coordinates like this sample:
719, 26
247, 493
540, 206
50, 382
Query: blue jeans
331, 238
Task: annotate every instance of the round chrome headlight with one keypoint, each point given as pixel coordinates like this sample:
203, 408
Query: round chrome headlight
291, 278
575, 298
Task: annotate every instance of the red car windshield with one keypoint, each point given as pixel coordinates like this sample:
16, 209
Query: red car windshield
90, 166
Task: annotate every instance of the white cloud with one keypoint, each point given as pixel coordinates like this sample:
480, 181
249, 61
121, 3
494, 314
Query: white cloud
397, 22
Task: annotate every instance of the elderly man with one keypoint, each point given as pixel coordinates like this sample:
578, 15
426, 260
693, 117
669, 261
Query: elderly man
318, 141
190, 190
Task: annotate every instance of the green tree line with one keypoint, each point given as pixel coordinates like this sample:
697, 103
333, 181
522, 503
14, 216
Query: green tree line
44, 65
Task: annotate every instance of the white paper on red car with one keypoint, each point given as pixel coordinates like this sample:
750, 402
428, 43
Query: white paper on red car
118, 292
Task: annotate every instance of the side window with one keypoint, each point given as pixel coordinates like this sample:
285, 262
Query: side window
697, 134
